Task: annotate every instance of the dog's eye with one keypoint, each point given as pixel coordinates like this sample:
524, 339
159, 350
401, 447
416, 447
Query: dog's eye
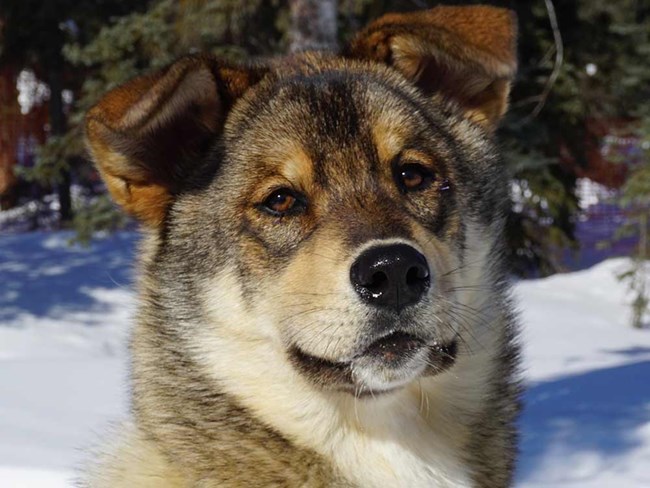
413, 176
282, 201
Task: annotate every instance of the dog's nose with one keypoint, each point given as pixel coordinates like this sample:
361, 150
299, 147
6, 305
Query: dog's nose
392, 277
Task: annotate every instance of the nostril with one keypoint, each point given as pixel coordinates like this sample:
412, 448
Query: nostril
377, 282
417, 275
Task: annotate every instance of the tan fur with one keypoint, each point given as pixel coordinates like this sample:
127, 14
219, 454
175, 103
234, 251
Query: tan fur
133, 462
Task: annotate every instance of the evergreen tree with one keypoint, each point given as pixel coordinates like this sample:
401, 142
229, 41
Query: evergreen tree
580, 60
624, 90
33, 37
635, 198
145, 40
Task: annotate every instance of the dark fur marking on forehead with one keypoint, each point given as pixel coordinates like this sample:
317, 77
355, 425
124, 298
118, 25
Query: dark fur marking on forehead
333, 103
319, 81
333, 119
336, 122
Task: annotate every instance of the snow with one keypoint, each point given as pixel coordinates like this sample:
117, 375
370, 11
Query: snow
64, 315
63, 322
587, 416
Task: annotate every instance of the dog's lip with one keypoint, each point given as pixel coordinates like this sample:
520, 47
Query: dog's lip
391, 348
318, 361
442, 356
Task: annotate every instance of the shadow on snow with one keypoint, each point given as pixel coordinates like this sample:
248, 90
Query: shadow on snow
597, 412
40, 274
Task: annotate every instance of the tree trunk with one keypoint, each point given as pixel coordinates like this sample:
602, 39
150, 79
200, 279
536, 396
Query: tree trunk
9, 115
313, 25
58, 127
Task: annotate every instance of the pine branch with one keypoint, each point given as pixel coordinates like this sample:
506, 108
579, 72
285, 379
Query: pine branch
559, 60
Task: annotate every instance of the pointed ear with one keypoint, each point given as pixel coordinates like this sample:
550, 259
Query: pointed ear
146, 135
464, 53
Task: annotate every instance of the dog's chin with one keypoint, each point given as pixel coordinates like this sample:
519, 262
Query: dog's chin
386, 365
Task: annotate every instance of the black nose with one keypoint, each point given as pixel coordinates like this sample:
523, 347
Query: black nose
391, 277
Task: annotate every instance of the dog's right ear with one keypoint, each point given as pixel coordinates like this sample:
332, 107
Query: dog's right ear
146, 134
467, 54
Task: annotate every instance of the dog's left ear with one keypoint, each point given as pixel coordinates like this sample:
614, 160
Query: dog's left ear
464, 53
147, 135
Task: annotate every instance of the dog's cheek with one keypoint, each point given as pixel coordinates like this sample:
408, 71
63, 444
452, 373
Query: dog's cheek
446, 263
312, 301
229, 313
440, 255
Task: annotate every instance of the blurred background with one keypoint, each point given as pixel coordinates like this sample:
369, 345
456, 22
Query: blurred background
577, 146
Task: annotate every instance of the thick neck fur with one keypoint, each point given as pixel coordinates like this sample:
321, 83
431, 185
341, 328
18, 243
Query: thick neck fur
415, 437
242, 391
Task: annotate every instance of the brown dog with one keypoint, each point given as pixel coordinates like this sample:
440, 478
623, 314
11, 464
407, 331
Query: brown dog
322, 296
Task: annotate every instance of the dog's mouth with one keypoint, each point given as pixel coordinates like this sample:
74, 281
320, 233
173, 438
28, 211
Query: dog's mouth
394, 348
390, 352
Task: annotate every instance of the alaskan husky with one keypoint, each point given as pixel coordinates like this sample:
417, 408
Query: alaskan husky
323, 300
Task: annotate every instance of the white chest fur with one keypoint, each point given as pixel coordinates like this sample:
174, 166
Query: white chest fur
412, 438
397, 445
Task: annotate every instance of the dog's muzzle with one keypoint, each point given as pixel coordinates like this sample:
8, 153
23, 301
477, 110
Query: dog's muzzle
391, 280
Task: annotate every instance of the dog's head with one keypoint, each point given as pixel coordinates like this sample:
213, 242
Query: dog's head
333, 206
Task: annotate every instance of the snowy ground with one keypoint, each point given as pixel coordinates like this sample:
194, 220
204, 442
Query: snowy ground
63, 367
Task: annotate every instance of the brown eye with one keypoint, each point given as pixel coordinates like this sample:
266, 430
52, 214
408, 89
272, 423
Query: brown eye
413, 176
283, 201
